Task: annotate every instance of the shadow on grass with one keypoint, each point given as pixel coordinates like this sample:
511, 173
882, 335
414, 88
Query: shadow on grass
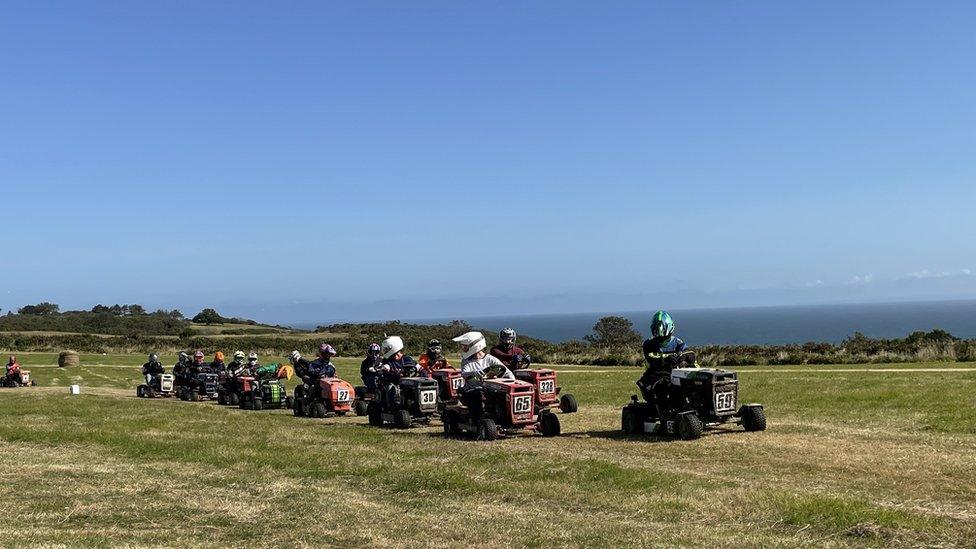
620, 435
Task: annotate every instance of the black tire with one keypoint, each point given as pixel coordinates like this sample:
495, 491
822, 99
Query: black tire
360, 407
452, 423
234, 399
289, 402
567, 404
258, 404
375, 414
140, 391
549, 424
630, 422
753, 418
221, 398
245, 403
690, 427
402, 419
298, 408
487, 430
318, 409
183, 395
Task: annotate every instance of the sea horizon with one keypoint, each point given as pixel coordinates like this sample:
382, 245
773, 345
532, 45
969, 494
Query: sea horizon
760, 325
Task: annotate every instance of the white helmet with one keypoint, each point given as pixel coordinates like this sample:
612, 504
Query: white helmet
391, 346
471, 343
252, 357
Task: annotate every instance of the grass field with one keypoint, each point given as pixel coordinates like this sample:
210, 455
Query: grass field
851, 458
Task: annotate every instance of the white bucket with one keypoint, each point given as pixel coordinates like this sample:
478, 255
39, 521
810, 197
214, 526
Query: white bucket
75, 389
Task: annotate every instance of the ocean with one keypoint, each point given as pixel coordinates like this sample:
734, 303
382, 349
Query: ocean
760, 325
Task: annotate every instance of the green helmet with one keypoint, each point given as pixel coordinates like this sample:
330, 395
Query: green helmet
661, 325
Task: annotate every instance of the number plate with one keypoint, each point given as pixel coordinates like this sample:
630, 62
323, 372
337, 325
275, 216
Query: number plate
342, 395
522, 404
725, 402
428, 397
457, 383
547, 386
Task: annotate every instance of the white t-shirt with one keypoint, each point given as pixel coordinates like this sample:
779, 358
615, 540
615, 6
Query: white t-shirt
478, 366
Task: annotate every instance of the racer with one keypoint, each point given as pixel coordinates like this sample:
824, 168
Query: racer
477, 365
663, 352
508, 352
396, 364
152, 370
370, 367
433, 359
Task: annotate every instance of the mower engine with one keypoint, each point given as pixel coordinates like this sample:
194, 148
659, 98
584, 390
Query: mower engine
712, 393
547, 393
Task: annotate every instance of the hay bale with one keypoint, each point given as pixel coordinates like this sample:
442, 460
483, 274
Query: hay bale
68, 358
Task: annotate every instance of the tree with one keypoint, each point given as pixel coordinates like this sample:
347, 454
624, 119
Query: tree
208, 316
44, 308
137, 310
100, 309
614, 332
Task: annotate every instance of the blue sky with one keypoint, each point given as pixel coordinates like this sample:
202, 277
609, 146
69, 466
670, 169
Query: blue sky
305, 160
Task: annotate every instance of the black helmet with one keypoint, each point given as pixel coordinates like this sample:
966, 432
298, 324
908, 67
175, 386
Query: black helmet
153, 357
507, 337
434, 346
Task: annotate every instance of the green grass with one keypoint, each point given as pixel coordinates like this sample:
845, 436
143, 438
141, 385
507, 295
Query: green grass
851, 458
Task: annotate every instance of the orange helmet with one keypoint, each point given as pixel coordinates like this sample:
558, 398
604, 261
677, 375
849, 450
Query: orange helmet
219, 355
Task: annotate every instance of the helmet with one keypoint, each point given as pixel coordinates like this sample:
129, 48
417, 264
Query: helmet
239, 356
198, 354
295, 357
507, 336
661, 325
434, 346
471, 343
253, 357
326, 349
219, 355
391, 346
153, 357
373, 349
183, 356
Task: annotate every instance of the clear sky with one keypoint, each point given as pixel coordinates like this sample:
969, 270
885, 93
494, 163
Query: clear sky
306, 160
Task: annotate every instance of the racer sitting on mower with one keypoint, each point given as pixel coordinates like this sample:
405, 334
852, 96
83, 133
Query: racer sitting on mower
433, 359
217, 366
311, 373
404, 396
152, 370
199, 366
508, 352
229, 391
663, 352
370, 367
180, 369
12, 375
369, 371
238, 364
476, 365
322, 394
